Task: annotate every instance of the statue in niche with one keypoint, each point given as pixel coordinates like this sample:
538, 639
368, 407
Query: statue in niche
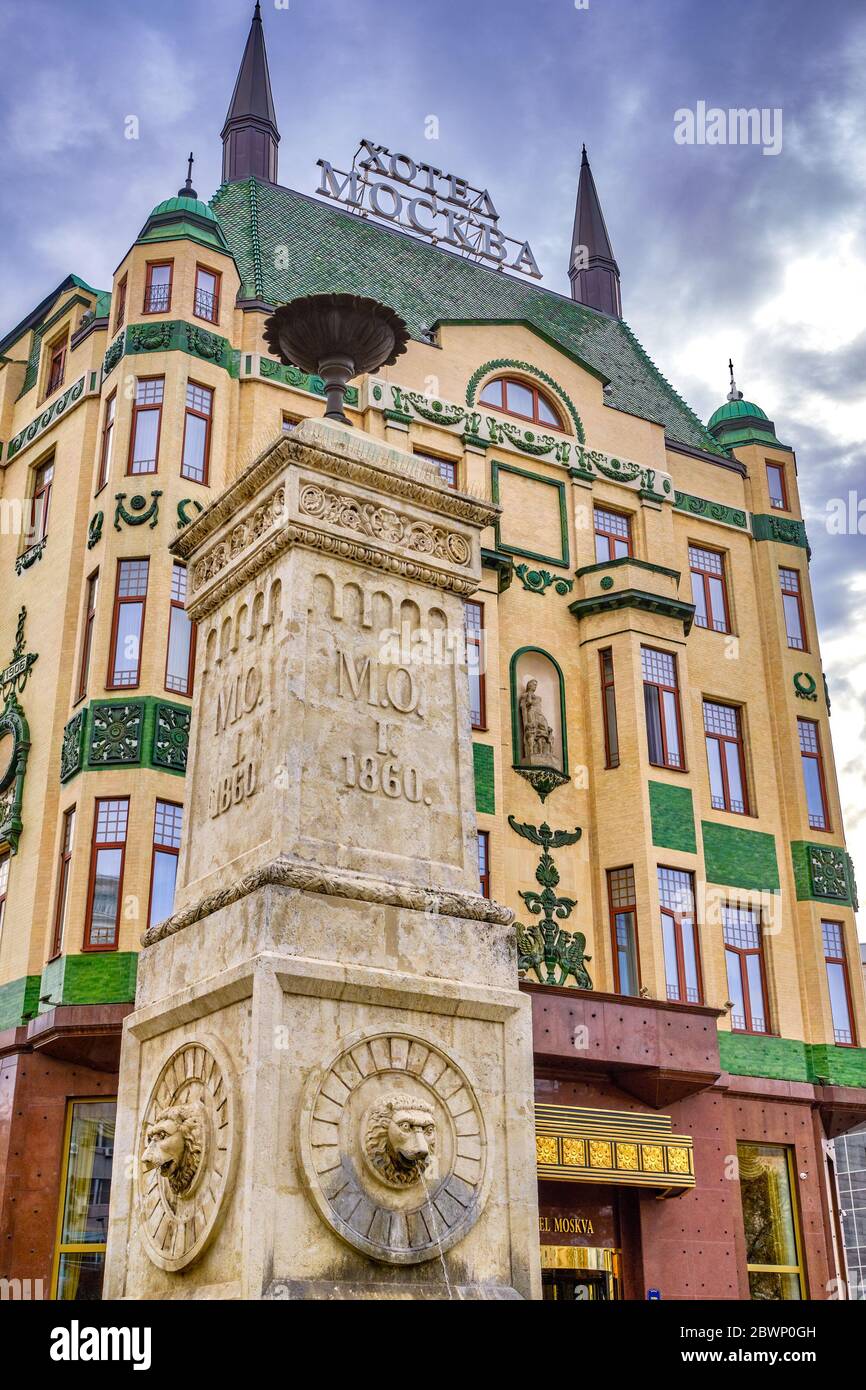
537, 733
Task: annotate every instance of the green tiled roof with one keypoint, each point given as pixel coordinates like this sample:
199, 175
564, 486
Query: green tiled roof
286, 244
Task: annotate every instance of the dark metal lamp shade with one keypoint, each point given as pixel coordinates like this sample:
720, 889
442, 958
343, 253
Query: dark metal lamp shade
337, 337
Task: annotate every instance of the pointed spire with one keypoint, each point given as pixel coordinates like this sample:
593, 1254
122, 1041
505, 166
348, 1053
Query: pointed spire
250, 136
593, 271
188, 191
733, 393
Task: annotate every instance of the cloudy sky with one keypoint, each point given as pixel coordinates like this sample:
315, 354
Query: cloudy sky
724, 251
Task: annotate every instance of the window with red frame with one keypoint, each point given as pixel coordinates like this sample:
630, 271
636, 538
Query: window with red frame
157, 288
56, 366
484, 862
474, 621
105, 888
623, 927
181, 637
120, 312
838, 983
90, 598
40, 503
723, 730
813, 774
612, 535
792, 602
608, 706
196, 432
523, 399
662, 707
130, 597
777, 487
744, 960
679, 936
167, 827
63, 872
4, 888
146, 425
206, 303
708, 588
106, 448
446, 468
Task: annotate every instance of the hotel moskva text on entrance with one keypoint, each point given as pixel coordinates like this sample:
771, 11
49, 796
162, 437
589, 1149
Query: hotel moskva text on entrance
476, 748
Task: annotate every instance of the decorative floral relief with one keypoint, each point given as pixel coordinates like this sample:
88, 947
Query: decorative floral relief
384, 524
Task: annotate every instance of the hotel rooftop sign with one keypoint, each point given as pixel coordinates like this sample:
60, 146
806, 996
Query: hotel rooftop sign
443, 208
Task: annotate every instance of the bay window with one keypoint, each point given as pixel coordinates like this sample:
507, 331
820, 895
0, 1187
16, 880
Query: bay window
623, 925
146, 425
813, 774
124, 665
181, 637
167, 827
838, 983
792, 602
105, 889
157, 289
662, 708
612, 535
679, 936
196, 432
206, 304
744, 960
608, 707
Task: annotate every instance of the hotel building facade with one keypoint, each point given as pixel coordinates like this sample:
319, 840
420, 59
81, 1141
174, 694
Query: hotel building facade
655, 782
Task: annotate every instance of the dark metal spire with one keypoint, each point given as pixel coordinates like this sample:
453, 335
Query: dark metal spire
188, 191
733, 393
593, 271
250, 136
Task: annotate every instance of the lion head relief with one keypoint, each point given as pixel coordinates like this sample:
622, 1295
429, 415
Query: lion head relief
400, 1138
174, 1142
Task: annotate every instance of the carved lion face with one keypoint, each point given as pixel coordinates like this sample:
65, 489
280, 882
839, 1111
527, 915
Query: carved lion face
400, 1138
174, 1145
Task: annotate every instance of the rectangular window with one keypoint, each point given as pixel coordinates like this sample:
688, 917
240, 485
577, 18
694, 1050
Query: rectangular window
612, 535
124, 666
776, 485
63, 873
708, 588
813, 774
484, 862
157, 289
838, 982
43, 478
146, 424
196, 432
446, 468
107, 444
4, 888
88, 1153
792, 602
56, 365
167, 827
679, 936
723, 731
474, 619
623, 925
770, 1222
181, 637
106, 873
608, 706
662, 706
87, 634
120, 313
207, 294
744, 959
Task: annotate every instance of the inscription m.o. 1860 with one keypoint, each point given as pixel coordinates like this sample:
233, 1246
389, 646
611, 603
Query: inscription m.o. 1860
395, 687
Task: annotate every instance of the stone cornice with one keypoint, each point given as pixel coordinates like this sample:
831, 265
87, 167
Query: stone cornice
339, 883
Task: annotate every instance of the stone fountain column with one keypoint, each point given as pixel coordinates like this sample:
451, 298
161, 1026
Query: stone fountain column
326, 1085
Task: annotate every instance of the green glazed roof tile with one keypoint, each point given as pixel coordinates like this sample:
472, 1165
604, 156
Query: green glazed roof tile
286, 244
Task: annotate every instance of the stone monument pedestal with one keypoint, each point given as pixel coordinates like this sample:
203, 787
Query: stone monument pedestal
326, 1085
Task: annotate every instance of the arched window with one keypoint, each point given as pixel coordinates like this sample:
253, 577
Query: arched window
523, 399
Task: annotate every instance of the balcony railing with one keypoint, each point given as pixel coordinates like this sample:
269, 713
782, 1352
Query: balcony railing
206, 305
156, 301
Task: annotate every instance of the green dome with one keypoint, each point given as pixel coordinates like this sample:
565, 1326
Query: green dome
736, 410
178, 204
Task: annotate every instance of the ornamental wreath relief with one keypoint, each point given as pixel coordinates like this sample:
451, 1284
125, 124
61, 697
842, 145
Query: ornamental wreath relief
187, 1152
393, 1147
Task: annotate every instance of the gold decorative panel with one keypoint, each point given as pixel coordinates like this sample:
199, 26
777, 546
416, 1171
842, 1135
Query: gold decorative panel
574, 1144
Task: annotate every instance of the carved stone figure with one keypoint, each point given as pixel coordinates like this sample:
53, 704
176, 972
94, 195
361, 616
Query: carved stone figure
187, 1154
537, 733
175, 1142
400, 1138
393, 1147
